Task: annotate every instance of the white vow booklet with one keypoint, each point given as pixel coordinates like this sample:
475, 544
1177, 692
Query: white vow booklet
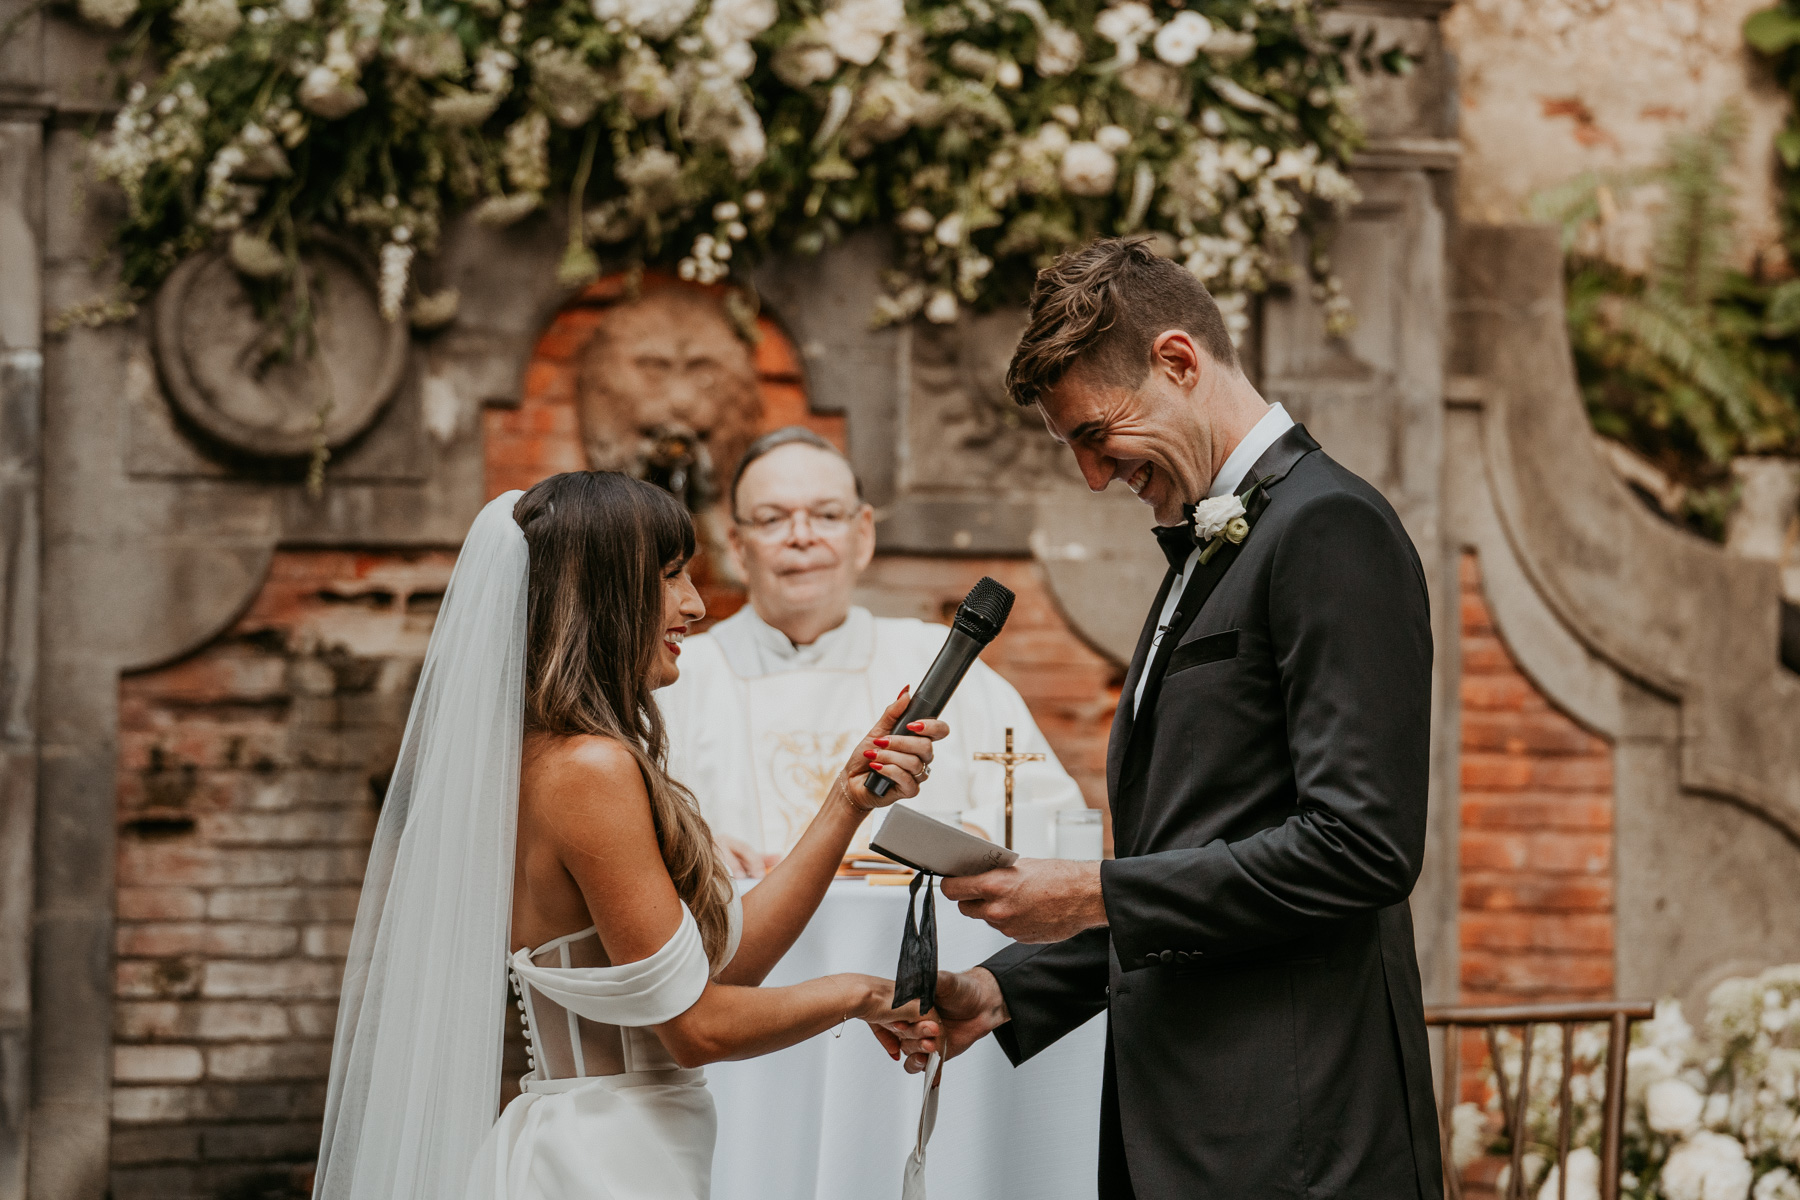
927, 844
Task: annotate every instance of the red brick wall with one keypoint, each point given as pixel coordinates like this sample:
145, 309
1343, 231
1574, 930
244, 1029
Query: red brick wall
1536, 919
248, 782
1537, 851
1071, 689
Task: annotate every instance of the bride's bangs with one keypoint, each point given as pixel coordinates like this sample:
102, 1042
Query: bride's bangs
670, 527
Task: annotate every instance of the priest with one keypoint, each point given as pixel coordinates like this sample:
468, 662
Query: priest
791, 682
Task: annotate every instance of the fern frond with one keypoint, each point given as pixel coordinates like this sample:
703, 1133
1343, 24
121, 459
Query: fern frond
1575, 203
1683, 339
1694, 230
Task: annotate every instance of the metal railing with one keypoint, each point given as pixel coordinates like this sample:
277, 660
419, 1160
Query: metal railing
1617, 1015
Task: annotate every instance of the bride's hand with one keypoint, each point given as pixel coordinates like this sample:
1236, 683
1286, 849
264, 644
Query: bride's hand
873, 998
903, 756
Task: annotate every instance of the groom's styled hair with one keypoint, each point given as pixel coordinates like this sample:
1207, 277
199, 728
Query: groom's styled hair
1104, 304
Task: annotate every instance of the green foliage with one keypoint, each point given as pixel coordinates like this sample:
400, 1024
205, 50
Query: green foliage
988, 135
1691, 363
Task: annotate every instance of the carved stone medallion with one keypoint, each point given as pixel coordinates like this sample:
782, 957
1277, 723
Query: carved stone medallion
224, 371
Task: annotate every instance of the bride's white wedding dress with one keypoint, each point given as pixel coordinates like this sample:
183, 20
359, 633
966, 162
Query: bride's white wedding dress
606, 1113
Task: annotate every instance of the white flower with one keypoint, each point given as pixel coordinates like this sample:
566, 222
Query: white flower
949, 231
1229, 45
1088, 170
916, 220
941, 308
1672, 1106
1778, 1184
1008, 75
526, 154
1584, 1177
109, 14
1059, 50
738, 60
731, 21
652, 18
396, 271
648, 168
205, 22
1213, 514
856, 29
1180, 41
645, 86
1112, 138
297, 10
1052, 139
493, 70
326, 93
1708, 1166
460, 109
1126, 25
1468, 1133
720, 112
805, 59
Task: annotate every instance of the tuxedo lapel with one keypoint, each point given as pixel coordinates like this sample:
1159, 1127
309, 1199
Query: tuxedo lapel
1128, 751
1124, 714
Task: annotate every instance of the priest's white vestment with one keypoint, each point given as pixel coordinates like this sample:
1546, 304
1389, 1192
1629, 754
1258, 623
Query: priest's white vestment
759, 727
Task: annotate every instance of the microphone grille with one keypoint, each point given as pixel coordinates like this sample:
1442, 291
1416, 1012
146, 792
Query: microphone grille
984, 610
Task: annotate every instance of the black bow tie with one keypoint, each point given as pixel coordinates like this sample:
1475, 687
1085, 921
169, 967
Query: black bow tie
1177, 541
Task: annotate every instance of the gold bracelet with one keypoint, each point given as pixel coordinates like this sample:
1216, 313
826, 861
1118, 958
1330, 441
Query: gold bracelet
859, 809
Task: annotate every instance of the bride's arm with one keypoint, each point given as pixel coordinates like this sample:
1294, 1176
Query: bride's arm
592, 806
778, 908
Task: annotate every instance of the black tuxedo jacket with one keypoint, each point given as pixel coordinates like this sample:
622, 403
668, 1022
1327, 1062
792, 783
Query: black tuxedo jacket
1266, 1031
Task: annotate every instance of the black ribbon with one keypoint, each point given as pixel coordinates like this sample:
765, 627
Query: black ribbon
916, 976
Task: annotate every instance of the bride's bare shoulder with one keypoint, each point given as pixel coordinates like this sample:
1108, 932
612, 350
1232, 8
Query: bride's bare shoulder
580, 767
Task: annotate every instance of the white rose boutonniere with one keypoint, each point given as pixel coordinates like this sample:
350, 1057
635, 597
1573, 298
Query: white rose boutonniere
1221, 519
1213, 514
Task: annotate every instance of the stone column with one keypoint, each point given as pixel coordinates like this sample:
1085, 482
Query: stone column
21, 395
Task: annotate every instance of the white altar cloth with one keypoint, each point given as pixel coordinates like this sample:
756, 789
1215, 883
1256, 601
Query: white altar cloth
835, 1118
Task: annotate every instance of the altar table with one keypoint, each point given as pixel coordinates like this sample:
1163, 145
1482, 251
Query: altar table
834, 1118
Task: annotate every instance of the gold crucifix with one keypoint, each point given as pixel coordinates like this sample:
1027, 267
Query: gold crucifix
1009, 760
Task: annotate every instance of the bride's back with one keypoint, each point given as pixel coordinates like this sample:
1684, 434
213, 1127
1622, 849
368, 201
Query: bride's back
603, 832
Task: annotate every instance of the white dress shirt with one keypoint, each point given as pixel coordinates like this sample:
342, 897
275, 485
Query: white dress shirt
1262, 435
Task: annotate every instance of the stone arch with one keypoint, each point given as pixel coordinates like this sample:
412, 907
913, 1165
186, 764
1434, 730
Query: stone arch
1658, 641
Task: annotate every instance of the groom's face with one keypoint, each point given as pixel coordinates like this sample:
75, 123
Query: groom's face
1149, 436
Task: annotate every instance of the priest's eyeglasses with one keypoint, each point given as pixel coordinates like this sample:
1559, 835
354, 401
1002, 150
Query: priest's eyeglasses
776, 524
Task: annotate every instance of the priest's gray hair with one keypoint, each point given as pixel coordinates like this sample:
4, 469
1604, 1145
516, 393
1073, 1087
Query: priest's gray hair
788, 435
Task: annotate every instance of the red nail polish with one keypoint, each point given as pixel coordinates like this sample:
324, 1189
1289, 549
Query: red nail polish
882, 742
869, 754
916, 726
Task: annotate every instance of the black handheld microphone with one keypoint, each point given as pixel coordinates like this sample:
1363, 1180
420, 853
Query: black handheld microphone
977, 622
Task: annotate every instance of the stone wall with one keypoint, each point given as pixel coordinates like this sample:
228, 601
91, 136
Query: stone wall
1542, 97
250, 776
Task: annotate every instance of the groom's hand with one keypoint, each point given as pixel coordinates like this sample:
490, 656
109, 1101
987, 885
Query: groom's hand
1034, 900
969, 1007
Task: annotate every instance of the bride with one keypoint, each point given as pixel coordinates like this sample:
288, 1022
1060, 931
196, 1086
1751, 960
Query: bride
530, 809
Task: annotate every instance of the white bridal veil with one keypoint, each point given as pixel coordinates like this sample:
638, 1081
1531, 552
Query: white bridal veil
415, 1071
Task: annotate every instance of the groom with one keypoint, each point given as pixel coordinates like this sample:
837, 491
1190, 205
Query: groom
1251, 942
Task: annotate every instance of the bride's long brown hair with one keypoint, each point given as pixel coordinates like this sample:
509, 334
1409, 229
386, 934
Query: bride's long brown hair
600, 544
